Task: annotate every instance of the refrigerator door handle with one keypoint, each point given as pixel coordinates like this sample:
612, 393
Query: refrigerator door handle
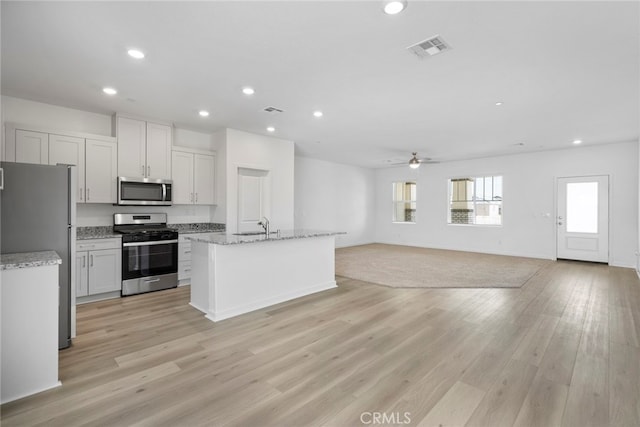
1, 179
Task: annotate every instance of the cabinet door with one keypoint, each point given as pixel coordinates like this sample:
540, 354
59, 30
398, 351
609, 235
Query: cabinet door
204, 179
105, 271
158, 151
69, 150
132, 135
82, 275
182, 176
32, 147
102, 171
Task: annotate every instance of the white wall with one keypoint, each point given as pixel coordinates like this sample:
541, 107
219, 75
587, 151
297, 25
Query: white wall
336, 197
248, 150
193, 139
529, 195
23, 111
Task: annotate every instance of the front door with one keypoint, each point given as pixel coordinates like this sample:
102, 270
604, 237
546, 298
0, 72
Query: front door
583, 218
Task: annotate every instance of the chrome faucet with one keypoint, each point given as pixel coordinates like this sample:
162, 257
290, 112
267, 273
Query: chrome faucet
264, 222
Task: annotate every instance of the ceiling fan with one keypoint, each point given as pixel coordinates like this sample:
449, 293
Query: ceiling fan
415, 161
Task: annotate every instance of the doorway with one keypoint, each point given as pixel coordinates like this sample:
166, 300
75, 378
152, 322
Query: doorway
253, 198
583, 218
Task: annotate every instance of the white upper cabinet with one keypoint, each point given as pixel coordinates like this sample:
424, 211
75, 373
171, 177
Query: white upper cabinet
182, 166
204, 179
30, 147
158, 151
101, 171
95, 157
193, 177
144, 149
132, 137
69, 150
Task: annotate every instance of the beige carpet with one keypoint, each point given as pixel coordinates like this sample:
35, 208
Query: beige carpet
411, 267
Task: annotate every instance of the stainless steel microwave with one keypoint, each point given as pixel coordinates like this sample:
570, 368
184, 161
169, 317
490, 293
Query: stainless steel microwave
144, 191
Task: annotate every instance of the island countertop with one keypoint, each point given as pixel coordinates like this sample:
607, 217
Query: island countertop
234, 239
28, 259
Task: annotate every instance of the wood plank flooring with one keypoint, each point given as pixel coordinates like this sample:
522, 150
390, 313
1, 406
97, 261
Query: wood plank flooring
563, 350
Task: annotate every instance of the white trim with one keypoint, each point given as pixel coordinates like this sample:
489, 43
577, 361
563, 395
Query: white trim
31, 392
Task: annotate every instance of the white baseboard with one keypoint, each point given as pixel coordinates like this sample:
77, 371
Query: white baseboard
30, 393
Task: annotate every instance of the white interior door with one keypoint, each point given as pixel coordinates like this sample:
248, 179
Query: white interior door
253, 185
583, 218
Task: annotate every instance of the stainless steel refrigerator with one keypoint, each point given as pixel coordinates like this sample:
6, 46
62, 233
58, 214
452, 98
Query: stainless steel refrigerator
38, 212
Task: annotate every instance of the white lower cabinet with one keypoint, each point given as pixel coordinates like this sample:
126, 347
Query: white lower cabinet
82, 274
184, 255
184, 258
98, 268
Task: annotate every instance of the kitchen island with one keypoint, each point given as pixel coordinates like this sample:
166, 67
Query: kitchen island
235, 274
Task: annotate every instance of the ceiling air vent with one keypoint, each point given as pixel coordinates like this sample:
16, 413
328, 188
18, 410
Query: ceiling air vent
273, 110
432, 46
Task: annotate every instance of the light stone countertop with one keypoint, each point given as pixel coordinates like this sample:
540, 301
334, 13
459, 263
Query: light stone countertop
201, 227
100, 232
28, 260
106, 231
233, 239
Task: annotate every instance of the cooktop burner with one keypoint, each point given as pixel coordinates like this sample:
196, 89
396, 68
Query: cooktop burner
143, 227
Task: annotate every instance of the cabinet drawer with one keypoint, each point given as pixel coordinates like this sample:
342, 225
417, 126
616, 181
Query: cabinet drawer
98, 244
184, 252
184, 270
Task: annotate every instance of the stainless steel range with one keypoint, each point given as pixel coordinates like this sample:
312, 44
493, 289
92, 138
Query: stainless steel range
149, 252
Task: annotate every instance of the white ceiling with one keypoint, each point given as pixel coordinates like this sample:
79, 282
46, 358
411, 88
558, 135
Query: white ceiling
564, 70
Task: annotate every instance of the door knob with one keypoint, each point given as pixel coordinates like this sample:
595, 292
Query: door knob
559, 223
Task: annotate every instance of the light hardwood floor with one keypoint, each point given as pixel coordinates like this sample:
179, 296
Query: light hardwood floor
562, 350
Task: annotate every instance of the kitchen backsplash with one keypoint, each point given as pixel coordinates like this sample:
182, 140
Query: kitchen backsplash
89, 215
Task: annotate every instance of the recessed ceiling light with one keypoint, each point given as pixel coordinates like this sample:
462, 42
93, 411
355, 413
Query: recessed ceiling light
577, 141
271, 129
203, 113
135, 53
499, 103
394, 6
109, 90
317, 114
248, 90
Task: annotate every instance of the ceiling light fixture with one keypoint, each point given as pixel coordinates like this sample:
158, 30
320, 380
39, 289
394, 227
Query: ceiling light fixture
577, 141
499, 103
394, 7
317, 114
271, 129
414, 163
203, 113
248, 90
109, 90
135, 53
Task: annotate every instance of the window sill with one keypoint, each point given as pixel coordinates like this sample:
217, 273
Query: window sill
402, 222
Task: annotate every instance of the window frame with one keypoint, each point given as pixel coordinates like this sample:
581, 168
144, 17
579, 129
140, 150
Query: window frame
474, 177
395, 202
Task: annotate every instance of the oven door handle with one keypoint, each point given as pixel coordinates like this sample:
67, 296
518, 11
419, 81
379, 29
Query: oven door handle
159, 242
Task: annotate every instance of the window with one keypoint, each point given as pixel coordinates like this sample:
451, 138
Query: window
404, 202
475, 200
